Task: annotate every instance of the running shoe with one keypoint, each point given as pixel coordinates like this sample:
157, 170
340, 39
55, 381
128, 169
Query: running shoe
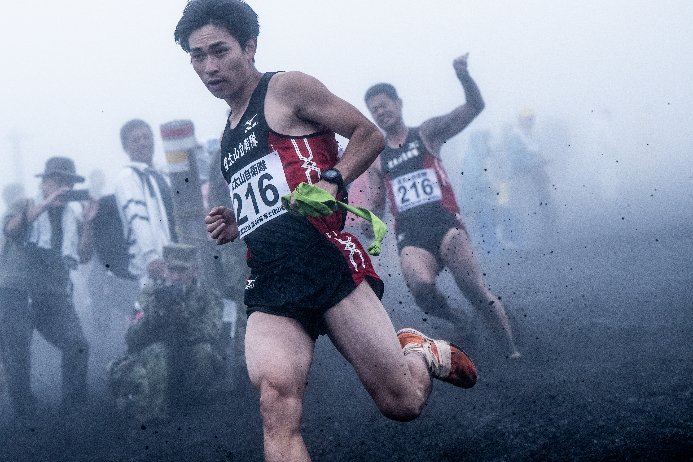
445, 361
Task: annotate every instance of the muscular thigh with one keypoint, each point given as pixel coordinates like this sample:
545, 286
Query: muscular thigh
361, 330
420, 243
419, 266
458, 256
278, 353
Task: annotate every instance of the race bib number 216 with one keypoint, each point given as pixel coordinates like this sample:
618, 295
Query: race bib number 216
416, 188
256, 192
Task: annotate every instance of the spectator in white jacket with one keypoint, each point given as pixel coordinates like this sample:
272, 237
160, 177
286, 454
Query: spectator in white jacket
145, 203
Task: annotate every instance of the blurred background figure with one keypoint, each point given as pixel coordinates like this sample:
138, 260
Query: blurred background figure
2, 375
532, 214
45, 238
479, 201
195, 174
99, 296
96, 183
108, 295
204, 163
173, 358
229, 268
145, 204
11, 193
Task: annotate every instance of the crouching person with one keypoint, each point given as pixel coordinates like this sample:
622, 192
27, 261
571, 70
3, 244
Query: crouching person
173, 359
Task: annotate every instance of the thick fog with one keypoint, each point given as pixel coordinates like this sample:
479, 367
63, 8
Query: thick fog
615, 77
610, 85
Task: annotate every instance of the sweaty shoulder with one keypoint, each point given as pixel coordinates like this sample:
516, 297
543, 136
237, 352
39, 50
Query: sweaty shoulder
286, 84
288, 94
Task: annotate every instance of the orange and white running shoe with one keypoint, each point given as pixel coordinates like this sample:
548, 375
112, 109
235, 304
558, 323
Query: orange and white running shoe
445, 361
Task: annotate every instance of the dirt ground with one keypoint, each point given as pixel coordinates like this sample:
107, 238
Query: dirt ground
605, 326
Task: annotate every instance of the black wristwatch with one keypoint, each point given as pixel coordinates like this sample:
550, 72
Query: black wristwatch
332, 175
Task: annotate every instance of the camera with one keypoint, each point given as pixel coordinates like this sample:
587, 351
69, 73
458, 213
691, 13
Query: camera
76, 195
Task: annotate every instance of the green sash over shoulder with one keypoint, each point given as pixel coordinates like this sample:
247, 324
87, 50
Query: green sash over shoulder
315, 202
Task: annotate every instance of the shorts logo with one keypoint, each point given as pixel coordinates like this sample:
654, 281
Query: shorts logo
249, 284
400, 237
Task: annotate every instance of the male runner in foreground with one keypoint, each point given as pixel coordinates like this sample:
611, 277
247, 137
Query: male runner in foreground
430, 234
307, 277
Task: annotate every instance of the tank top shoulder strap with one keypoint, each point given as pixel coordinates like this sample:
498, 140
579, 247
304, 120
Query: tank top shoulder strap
256, 105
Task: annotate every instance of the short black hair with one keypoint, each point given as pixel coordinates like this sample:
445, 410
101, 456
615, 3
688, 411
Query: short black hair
237, 17
386, 89
130, 126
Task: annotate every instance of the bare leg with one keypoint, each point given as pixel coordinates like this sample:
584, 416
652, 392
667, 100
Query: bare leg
420, 269
279, 353
362, 332
456, 252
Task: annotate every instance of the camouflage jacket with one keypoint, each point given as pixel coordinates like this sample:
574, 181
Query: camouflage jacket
172, 315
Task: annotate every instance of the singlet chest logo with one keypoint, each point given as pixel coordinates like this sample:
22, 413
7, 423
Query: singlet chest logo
411, 152
249, 124
256, 191
249, 142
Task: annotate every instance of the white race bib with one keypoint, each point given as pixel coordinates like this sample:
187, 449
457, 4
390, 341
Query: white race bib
416, 188
256, 193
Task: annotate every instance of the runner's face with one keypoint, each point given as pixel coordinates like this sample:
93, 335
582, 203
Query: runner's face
139, 145
220, 61
385, 111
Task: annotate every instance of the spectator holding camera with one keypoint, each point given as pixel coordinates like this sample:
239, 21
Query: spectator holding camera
45, 238
173, 359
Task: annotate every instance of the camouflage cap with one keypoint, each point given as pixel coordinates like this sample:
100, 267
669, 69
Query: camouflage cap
180, 256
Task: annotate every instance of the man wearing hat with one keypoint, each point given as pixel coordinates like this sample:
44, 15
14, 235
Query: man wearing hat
172, 357
45, 238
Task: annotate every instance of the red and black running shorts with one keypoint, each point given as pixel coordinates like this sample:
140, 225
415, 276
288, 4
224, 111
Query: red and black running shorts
300, 273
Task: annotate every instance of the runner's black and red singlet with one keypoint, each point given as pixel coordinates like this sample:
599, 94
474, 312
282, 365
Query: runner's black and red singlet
284, 251
416, 181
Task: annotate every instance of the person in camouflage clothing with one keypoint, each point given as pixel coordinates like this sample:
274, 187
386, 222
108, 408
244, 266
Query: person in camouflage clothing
173, 358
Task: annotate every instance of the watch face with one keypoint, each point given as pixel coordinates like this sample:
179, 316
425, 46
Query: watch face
330, 174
